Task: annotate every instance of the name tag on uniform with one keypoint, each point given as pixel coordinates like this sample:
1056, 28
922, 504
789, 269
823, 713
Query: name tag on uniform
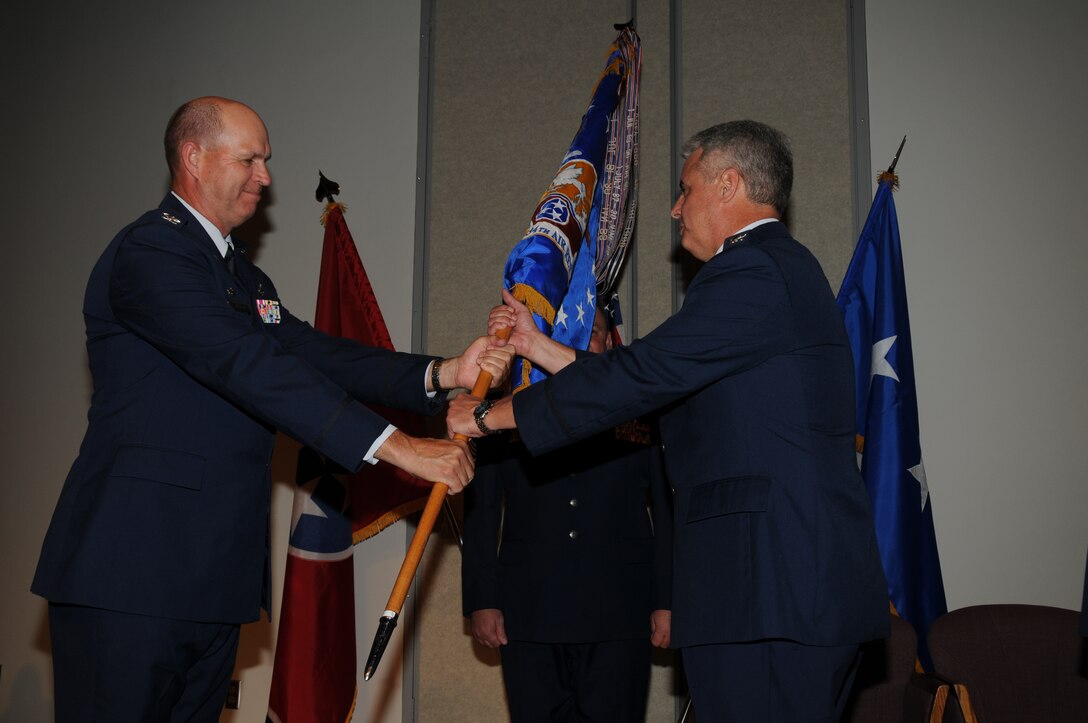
269, 310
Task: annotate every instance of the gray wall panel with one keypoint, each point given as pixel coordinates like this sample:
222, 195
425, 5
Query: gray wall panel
785, 63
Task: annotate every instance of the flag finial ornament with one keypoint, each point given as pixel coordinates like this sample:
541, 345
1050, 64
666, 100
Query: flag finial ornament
326, 189
889, 176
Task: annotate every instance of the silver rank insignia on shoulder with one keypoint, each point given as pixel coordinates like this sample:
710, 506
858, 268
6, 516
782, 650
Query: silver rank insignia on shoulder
172, 220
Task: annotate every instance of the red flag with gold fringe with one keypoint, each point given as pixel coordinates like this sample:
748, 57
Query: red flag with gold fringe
347, 307
314, 675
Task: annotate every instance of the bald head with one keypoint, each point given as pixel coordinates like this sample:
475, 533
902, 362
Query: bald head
217, 150
200, 120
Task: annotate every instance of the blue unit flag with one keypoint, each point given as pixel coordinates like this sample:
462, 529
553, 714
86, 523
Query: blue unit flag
584, 220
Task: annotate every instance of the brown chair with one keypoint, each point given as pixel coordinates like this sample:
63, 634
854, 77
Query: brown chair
933, 699
888, 689
1018, 663
883, 675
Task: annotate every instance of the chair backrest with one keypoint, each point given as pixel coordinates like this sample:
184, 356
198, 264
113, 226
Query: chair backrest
883, 674
1019, 662
1084, 604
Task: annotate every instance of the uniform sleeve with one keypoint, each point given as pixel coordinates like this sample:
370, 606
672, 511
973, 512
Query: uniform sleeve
731, 320
169, 293
369, 374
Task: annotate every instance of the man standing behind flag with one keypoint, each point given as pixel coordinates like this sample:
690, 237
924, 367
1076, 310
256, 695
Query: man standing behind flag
776, 576
580, 586
158, 547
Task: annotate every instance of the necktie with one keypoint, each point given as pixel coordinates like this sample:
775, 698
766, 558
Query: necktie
229, 258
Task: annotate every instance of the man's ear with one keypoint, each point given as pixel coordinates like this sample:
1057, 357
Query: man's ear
191, 158
729, 183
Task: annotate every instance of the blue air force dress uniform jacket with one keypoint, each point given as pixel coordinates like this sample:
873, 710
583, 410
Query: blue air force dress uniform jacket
582, 559
773, 532
165, 511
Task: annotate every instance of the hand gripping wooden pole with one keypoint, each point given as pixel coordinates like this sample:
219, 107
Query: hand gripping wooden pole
408, 568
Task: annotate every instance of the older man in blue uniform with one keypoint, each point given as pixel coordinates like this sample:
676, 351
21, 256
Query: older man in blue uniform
776, 576
158, 548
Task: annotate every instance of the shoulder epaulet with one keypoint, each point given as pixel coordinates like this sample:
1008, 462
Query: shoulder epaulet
171, 218
158, 216
734, 240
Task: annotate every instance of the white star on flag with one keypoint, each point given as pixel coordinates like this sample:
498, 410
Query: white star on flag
561, 317
918, 471
880, 365
308, 507
581, 315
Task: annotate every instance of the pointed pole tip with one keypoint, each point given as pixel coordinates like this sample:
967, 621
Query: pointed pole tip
891, 168
326, 189
386, 623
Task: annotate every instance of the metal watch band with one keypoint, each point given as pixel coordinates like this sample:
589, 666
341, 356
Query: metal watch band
436, 383
480, 412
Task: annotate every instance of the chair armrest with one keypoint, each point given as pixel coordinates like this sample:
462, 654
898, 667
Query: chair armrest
931, 698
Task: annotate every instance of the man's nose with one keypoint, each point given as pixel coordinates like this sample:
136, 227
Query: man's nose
675, 213
263, 175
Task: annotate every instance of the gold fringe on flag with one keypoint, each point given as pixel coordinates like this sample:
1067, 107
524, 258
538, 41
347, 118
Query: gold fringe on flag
328, 209
889, 177
536, 302
540, 306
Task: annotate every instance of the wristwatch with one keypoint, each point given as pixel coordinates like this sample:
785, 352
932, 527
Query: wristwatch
480, 412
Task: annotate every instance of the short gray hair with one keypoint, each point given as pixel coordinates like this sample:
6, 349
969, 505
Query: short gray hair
760, 153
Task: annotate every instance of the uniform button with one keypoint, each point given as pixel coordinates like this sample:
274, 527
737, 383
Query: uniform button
573, 534
574, 502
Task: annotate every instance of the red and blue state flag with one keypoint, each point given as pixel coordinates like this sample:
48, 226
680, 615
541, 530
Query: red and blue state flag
314, 674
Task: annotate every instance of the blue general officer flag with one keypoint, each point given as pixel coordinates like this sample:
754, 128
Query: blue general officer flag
873, 301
